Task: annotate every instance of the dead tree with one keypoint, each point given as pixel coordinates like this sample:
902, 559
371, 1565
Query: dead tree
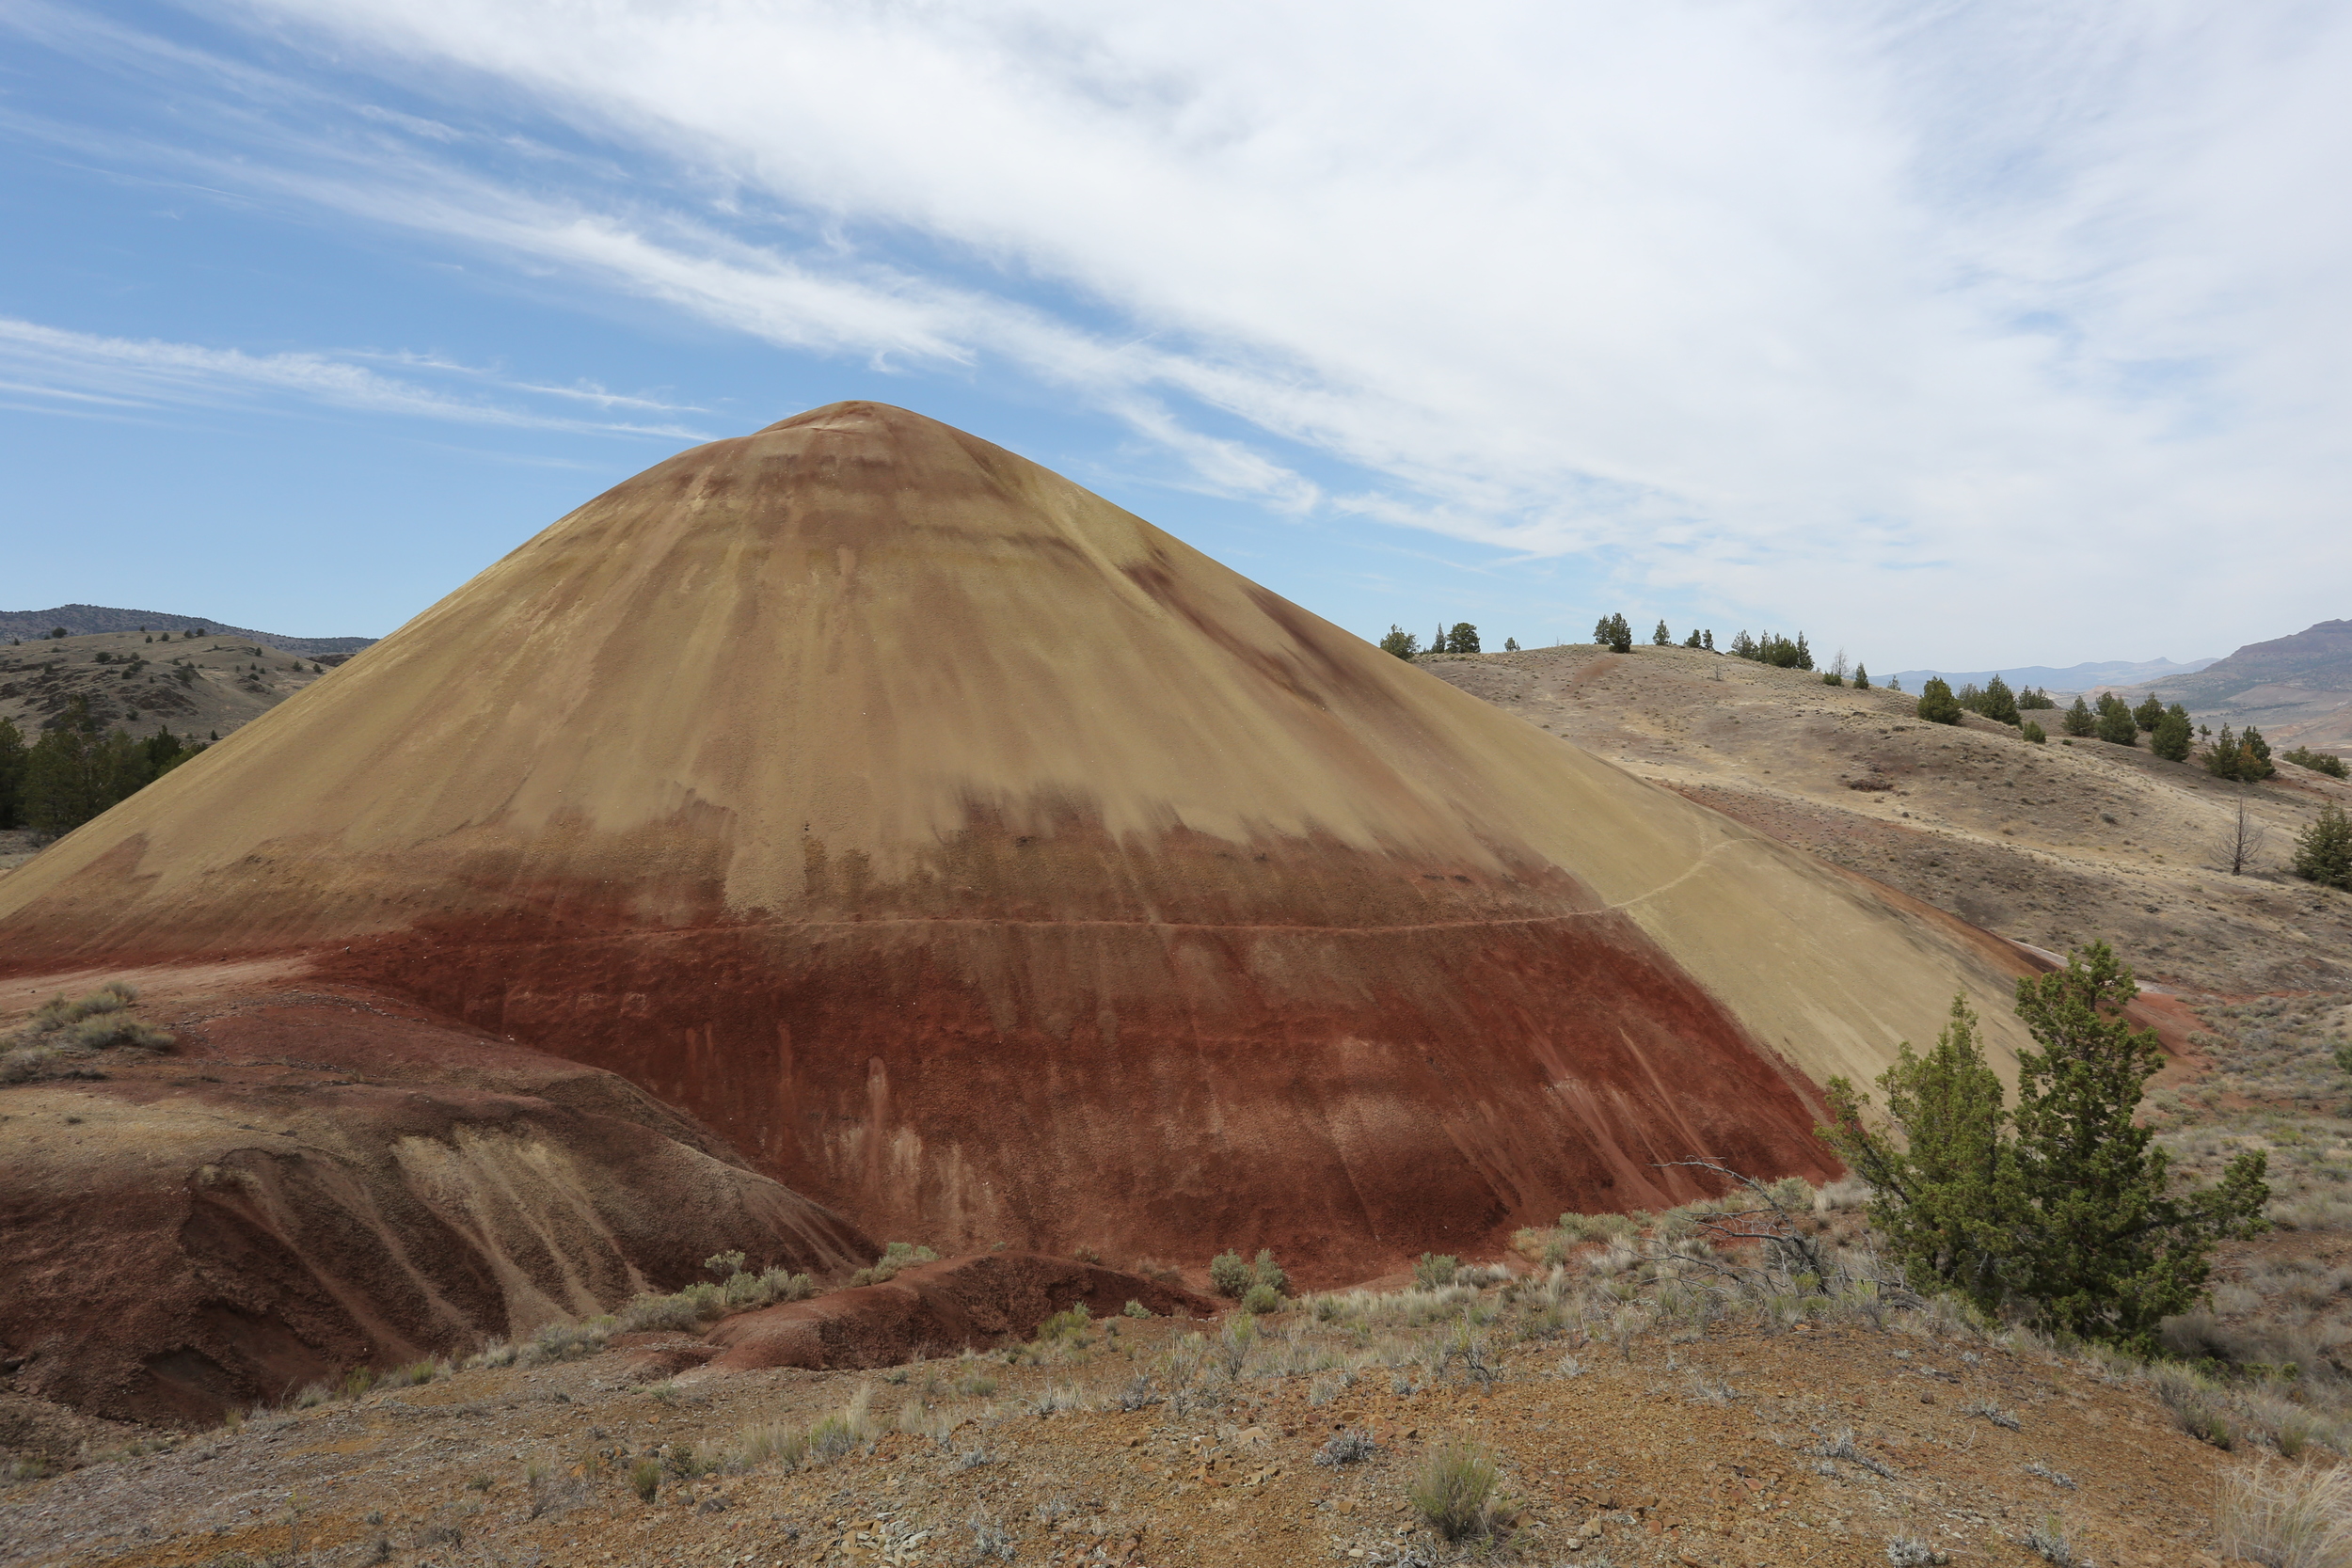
2243, 840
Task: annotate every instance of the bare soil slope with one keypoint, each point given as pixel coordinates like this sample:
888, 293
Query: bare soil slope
992, 866
309, 1182
2052, 846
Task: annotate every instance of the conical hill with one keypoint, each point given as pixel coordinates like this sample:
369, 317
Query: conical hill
991, 866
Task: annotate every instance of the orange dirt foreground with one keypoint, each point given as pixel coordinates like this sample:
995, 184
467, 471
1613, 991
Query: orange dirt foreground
988, 866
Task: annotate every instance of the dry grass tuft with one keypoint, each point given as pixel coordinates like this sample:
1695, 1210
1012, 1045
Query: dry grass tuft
2288, 1515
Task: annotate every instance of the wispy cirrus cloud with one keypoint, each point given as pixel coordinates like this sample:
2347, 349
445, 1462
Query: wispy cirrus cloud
81, 370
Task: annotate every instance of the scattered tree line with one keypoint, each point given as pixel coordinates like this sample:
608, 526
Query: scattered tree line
2318, 762
1462, 639
73, 771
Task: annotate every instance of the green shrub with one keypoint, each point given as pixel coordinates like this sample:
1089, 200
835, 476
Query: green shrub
104, 1034
1435, 1270
1269, 1273
1230, 1277
645, 1479
96, 1023
2318, 762
896, 1255
1136, 1309
1262, 1298
1071, 1324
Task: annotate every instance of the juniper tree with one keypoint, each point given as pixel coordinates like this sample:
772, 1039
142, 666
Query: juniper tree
1938, 1169
2148, 714
2254, 756
2221, 754
1463, 639
2000, 703
2170, 736
2080, 721
2110, 1247
2065, 1205
2322, 851
1862, 677
1937, 705
1662, 638
1402, 644
2116, 723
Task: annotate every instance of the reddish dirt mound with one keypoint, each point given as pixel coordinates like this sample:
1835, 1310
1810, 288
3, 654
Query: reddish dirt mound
988, 864
318, 1183
936, 1309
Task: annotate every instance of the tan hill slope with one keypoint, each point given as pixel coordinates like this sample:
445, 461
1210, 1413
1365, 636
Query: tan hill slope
2053, 846
988, 864
134, 681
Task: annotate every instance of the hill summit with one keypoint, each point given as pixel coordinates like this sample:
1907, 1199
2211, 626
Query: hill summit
988, 863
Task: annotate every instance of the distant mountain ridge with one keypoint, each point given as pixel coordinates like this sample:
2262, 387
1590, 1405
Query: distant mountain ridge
2297, 688
2075, 677
85, 620
2317, 658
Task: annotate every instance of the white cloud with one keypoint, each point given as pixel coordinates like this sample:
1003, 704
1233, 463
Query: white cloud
47, 364
1825, 308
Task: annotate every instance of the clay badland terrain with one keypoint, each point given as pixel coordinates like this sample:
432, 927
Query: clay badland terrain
784, 885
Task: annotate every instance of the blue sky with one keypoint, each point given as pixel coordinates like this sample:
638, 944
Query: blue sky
1959, 335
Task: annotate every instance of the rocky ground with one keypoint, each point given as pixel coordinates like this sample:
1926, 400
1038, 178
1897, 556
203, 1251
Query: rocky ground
1675, 1439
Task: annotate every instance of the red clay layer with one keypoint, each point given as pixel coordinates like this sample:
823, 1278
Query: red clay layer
1347, 1096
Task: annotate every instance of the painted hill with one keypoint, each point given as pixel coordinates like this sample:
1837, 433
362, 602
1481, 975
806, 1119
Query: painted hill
990, 865
86, 620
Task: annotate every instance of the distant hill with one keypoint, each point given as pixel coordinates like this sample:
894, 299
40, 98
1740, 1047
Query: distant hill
2297, 689
2075, 677
85, 620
